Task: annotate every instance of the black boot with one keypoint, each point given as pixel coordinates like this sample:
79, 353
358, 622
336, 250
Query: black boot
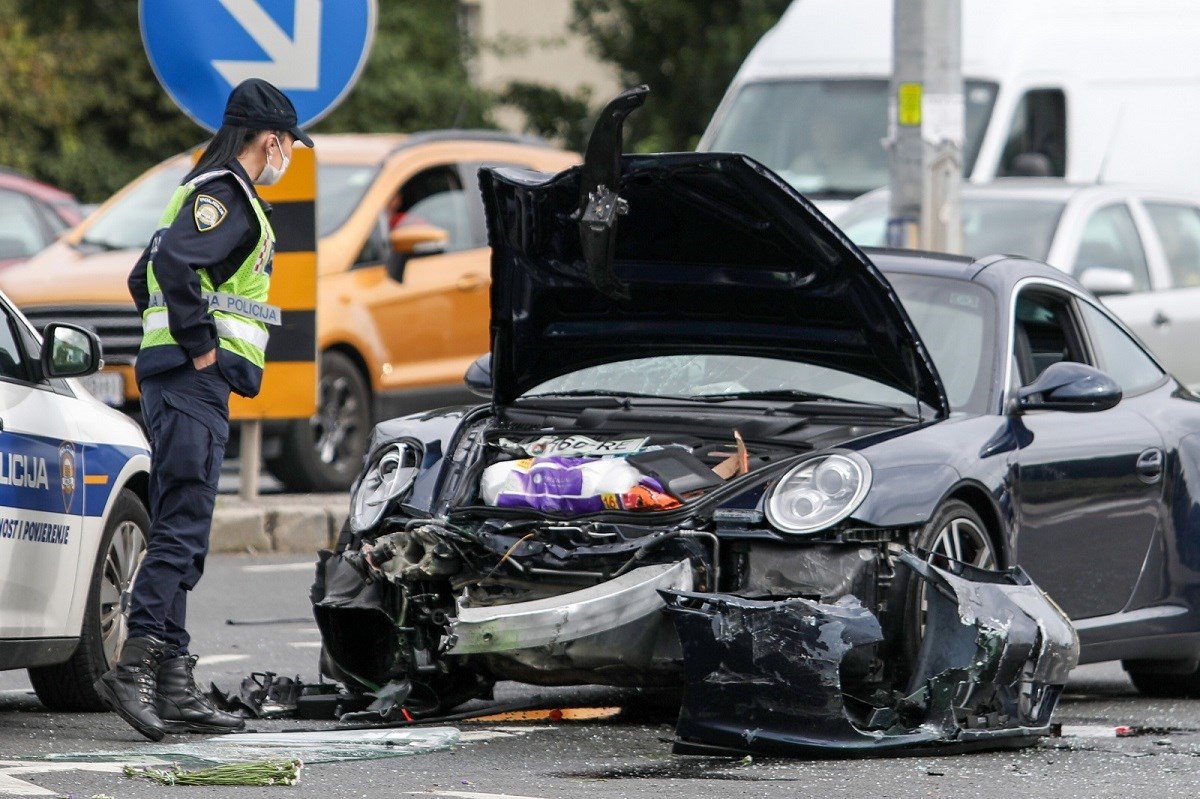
130, 689
183, 708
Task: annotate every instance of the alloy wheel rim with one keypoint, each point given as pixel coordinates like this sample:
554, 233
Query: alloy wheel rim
336, 422
121, 563
963, 540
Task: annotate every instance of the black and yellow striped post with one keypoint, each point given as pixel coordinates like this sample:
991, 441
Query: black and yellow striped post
289, 387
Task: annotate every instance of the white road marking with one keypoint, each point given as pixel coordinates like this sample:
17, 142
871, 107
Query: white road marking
212, 660
11, 786
305, 644
308, 565
471, 795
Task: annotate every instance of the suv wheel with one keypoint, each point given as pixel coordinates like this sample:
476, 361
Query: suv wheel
325, 452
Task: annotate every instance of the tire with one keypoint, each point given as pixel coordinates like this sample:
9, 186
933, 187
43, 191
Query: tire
68, 686
325, 453
954, 531
1163, 684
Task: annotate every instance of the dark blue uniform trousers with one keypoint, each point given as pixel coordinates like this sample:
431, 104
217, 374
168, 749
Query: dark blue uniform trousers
187, 414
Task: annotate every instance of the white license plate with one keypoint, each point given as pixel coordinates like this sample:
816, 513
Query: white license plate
108, 387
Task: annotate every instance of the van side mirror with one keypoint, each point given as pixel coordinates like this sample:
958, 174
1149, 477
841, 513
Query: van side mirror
69, 351
1070, 386
1103, 280
412, 241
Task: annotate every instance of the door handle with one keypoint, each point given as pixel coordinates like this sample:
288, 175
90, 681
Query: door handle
1150, 465
470, 282
1160, 319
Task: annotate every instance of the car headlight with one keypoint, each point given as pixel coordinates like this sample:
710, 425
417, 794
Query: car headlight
388, 478
819, 492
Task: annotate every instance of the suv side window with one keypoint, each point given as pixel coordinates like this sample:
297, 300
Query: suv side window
1119, 355
435, 197
1178, 228
1111, 241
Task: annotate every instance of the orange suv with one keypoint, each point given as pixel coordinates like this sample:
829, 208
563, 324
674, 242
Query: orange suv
402, 288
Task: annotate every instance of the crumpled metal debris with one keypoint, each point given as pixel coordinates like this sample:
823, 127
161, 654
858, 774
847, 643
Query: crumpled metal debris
765, 677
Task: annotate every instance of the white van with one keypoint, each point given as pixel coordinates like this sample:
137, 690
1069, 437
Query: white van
1089, 90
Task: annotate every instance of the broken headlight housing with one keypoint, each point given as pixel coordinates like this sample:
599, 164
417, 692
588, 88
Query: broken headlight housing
819, 492
388, 478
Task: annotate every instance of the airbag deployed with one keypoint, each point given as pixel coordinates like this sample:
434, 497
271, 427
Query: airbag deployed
765, 677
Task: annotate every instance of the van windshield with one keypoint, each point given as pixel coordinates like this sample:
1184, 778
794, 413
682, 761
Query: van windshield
825, 136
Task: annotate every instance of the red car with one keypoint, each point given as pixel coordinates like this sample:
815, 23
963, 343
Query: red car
32, 214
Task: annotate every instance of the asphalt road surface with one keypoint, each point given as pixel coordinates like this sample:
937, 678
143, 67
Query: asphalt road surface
621, 755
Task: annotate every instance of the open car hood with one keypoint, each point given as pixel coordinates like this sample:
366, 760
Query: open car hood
716, 254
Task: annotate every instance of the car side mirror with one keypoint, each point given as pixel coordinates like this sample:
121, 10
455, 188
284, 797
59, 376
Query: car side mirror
412, 241
479, 376
1070, 386
1102, 280
1031, 165
69, 351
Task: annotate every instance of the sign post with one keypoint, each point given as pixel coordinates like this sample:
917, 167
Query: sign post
313, 51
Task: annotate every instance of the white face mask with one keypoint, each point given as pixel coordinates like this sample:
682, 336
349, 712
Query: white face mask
271, 174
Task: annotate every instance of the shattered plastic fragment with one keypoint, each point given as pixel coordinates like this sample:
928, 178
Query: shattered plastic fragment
764, 677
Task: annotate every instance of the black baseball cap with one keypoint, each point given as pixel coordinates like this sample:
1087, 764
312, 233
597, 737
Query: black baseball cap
258, 105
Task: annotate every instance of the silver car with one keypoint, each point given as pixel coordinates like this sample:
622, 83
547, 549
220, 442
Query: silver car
1137, 248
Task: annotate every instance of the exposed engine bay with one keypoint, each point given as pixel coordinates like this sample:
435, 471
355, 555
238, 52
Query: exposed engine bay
569, 555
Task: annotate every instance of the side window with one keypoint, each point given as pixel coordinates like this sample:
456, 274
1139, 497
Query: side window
1045, 334
1037, 139
21, 232
1178, 228
1119, 355
12, 361
1111, 241
435, 197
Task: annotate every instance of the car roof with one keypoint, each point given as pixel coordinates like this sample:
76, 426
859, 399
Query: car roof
372, 148
1054, 189
12, 179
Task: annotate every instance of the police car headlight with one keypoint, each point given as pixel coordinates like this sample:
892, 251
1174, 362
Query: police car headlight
819, 492
387, 479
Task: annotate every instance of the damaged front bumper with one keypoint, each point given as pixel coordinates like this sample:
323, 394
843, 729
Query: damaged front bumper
766, 677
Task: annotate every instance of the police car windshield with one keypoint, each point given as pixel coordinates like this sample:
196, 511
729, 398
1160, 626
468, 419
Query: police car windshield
131, 221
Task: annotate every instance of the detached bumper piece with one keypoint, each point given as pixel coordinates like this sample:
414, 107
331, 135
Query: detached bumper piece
766, 678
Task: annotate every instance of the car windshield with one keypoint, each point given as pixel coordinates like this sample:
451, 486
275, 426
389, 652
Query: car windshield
952, 316
825, 136
129, 223
1012, 226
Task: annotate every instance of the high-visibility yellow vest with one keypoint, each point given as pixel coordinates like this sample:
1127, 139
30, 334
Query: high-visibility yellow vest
238, 306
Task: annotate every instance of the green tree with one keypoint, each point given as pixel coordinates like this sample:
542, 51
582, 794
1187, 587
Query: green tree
80, 106
687, 51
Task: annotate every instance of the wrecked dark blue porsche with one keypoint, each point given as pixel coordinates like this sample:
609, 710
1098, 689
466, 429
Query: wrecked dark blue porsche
847, 501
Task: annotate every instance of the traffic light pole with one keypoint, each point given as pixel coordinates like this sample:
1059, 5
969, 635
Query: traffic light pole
926, 126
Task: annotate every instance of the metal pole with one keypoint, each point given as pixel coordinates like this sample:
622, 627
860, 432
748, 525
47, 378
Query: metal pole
926, 125
250, 459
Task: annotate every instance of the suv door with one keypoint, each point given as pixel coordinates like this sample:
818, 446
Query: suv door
41, 497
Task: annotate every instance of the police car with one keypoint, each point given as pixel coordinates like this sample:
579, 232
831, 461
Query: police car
73, 519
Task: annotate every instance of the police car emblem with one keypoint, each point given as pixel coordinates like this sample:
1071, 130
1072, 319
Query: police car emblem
209, 212
66, 472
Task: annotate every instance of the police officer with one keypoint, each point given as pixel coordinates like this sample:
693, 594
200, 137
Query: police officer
201, 287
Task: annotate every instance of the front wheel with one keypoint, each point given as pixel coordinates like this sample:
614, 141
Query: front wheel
325, 452
957, 532
68, 686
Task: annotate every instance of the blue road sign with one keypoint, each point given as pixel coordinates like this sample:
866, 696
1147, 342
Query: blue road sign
311, 49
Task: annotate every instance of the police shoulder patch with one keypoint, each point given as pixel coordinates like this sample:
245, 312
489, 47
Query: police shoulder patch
208, 212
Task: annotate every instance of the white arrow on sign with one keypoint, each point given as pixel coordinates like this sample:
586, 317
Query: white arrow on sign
295, 62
